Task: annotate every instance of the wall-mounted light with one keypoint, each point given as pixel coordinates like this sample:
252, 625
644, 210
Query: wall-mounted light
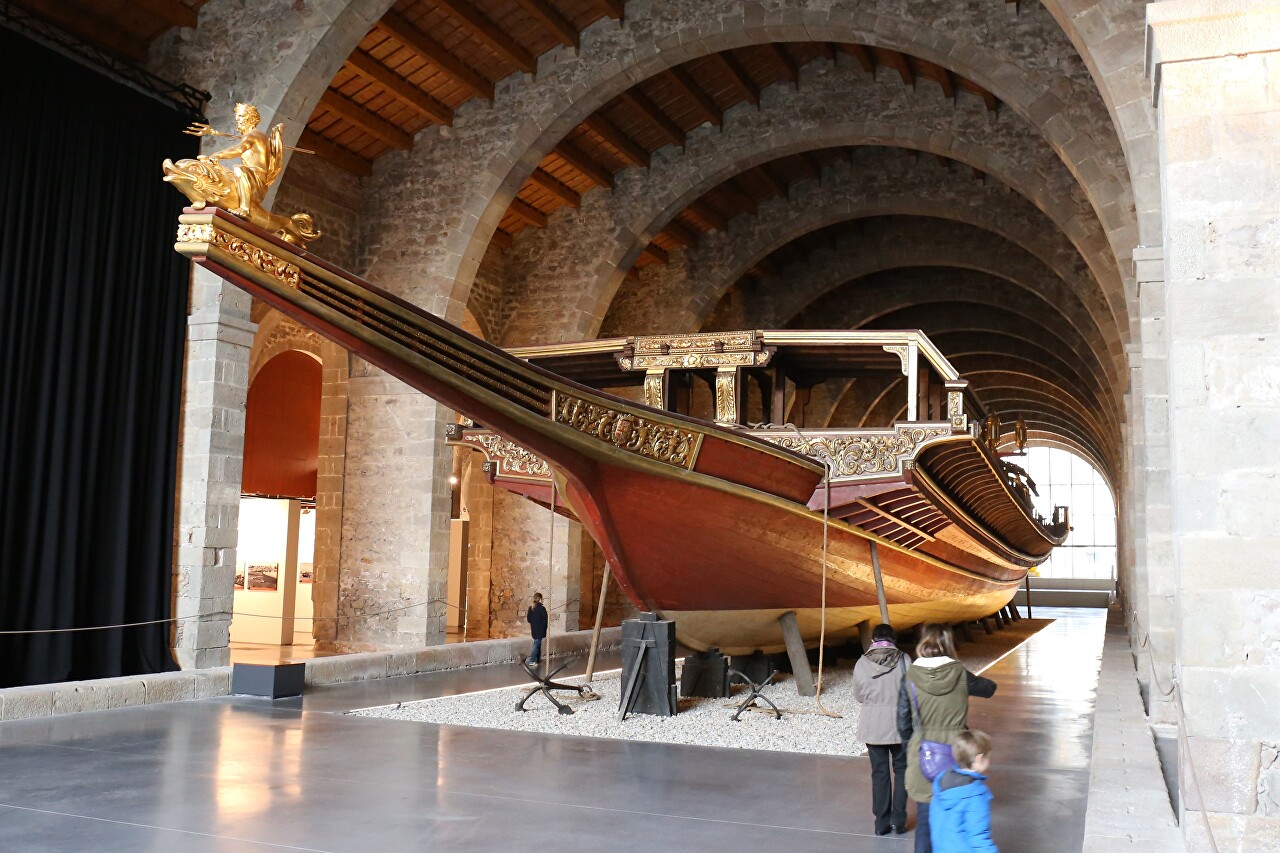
453, 481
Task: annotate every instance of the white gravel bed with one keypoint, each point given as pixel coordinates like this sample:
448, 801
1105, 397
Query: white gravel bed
701, 722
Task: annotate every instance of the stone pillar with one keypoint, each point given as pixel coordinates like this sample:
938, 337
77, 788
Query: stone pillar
1216, 75
1157, 637
219, 339
395, 515
331, 465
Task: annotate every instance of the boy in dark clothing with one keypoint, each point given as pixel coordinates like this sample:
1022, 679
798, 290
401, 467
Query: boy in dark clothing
537, 619
960, 815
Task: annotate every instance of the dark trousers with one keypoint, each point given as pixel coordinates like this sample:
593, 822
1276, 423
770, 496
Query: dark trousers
888, 792
924, 844
536, 654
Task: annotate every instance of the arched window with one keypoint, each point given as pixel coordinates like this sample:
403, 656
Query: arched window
1065, 479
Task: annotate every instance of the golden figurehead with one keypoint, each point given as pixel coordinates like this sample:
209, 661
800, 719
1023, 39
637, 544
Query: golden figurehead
241, 190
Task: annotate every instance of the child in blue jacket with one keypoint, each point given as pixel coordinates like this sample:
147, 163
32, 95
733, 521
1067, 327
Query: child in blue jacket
960, 814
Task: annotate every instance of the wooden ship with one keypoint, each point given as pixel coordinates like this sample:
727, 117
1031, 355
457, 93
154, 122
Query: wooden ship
676, 454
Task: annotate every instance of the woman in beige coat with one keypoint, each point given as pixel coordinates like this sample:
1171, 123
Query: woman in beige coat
877, 678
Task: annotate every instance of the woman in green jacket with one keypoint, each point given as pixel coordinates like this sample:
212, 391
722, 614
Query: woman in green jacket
934, 705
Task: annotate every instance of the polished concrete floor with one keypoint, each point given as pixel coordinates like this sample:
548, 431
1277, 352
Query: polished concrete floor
239, 774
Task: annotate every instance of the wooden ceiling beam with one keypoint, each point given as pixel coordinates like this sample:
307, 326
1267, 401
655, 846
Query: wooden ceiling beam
946, 162
703, 210
171, 11
611, 8
742, 81
331, 152
777, 186
550, 18
489, 34
739, 197
811, 166
702, 102
402, 89
578, 159
656, 253
990, 100
501, 239
420, 43
640, 102
528, 213
84, 24
784, 61
678, 232
625, 145
767, 266
978, 174
947, 82
548, 182
345, 108
827, 49
862, 55
899, 62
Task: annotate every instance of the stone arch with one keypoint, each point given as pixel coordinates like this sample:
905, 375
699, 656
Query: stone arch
278, 333
992, 328
485, 158
644, 202
880, 181
881, 295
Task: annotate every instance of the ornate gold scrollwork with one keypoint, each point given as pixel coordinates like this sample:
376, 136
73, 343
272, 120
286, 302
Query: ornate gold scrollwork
653, 389
247, 252
507, 458
903, 353
727, 396
855, 455
955, 410
635, 434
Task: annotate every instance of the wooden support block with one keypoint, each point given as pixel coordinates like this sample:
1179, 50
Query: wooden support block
864, 634
965, 632
797, 655
986, 625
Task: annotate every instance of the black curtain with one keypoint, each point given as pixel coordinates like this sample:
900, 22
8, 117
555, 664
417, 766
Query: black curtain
92, 320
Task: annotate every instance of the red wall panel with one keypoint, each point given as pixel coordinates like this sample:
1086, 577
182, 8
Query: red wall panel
282, 427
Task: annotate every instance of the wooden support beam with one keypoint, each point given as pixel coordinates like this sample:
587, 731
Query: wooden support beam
827, 49
742, 81
640, 102
767, 266
625, 145
334, 153
777, 186
990, 101
784, 61
171, 11
578, 159
401, 88
899, 62
945, 161
426, 47
978, 174
703, 210
864, 57
528, 213
739, 197
544, 179
633, 274
611, 8
706, 107
488, 33
345, 108
655, 253
678, 232
891, 517
501, 239
812, 168
555, 23
948, 83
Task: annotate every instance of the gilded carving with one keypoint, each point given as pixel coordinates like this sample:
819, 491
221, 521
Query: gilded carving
663, 344
245, 251
727, 396
700, 360
858, 454
653, 390
508, 459
902, 352
955, 409
635, 434
242, 188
